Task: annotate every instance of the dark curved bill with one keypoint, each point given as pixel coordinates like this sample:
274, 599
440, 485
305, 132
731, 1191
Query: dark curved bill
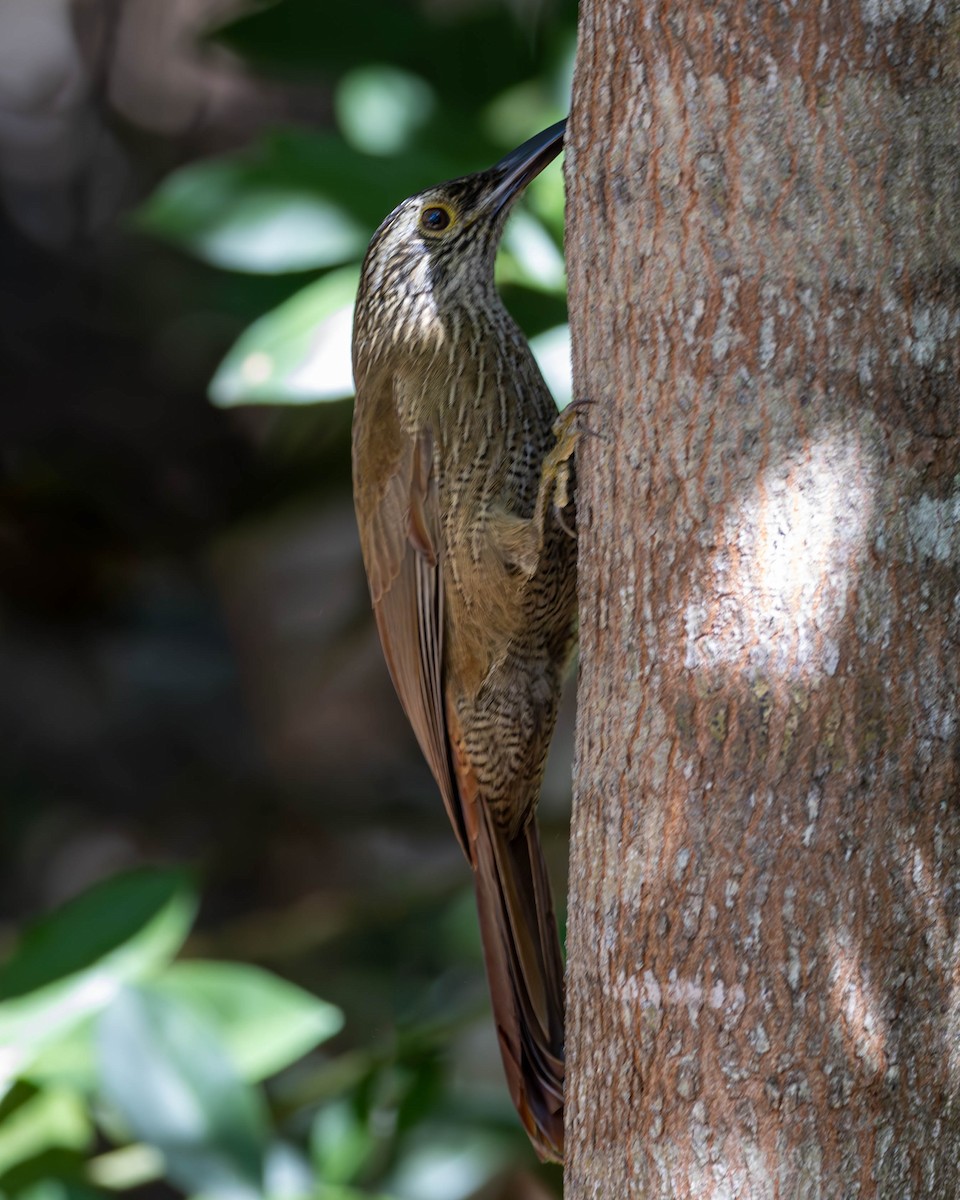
521, 165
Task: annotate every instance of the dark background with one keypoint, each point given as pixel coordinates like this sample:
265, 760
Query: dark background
188, 669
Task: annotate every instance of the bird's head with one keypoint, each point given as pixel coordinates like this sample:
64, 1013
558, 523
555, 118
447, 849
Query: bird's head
432, 258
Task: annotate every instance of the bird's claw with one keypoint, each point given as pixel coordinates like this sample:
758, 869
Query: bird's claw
556, 479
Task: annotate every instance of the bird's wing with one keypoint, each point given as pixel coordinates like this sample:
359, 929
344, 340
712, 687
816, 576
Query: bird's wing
400, 531
403, 552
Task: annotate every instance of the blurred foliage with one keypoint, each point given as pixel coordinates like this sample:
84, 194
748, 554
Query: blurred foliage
121, 1065
450, 95
105, 1039
132, 1057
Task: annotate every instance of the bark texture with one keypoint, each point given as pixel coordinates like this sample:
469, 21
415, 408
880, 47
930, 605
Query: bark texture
764, 252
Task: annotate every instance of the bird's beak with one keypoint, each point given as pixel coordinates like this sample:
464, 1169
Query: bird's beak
521, 165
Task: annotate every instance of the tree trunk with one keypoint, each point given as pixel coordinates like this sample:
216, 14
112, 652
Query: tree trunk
764, 247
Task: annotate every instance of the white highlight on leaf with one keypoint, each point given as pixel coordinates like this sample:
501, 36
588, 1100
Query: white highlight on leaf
327, 370
257, 367
551, 349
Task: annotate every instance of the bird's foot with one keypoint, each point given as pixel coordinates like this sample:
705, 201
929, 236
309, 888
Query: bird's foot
557, 475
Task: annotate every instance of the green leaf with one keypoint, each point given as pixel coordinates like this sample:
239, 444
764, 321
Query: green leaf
169, 1077
126, 1168
380, 107
72, 963
468, 51
551, 349
298, 353
263, 1022
58, 1189
520, 108
67, 1060
532, 256
449, 1164
287, 1174
340, 1143
205, 207
338, 1191
232, 214
50, 1119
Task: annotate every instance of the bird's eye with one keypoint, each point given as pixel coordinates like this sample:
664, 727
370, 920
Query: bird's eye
435, 218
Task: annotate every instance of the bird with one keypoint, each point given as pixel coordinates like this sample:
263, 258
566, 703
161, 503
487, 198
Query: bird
464, 490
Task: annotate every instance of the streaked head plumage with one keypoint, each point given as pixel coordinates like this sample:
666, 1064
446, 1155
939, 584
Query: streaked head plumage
434, 254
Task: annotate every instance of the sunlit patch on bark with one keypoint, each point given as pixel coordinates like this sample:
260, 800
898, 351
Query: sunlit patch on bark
856, 1002
932, 339
885, 12
920, 882
778, 592
952, 1039
933, 525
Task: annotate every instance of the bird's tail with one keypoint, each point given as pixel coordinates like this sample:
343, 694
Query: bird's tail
525, 973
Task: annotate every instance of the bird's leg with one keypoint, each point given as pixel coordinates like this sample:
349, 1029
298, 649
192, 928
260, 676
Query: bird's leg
519, 540
554, 491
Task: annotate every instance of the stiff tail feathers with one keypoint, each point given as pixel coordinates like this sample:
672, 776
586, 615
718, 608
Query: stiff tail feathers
525, 972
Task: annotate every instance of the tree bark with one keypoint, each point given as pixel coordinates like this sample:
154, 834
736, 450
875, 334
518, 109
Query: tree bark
764, 251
